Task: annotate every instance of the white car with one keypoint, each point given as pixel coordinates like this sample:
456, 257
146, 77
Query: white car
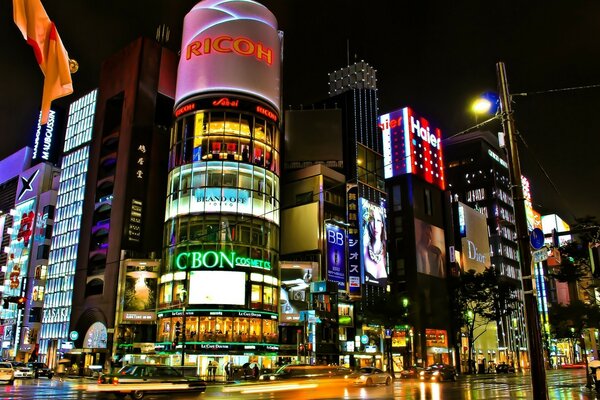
22, 370
7, 373
370, 376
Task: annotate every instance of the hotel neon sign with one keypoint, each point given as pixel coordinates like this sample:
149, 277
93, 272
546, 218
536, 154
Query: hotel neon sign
216, 260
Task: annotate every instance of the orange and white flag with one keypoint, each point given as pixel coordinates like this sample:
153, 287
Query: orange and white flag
41, 34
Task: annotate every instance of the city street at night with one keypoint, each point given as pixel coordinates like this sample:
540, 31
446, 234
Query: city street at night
562, 384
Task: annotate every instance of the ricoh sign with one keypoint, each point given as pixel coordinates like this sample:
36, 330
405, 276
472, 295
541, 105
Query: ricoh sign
232, 47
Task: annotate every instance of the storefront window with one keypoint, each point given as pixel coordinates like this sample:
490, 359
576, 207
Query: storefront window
256, 297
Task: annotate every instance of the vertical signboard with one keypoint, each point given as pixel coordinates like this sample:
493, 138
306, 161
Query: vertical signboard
139, 300
336, 255
354, 272
137, 186
46, 140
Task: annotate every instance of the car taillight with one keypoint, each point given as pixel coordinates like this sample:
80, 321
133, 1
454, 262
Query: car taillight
115, 380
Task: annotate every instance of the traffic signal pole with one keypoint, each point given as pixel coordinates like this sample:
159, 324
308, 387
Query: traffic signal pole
536, 357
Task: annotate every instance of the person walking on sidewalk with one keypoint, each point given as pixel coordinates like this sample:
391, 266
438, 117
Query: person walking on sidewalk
60, 371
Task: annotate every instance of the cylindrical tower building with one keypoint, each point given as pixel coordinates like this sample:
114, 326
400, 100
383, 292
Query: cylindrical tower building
219, 287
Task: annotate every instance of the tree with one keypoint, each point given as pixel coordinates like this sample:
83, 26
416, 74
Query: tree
569, 321
479, 298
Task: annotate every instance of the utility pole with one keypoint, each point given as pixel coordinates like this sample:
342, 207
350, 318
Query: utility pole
536, 357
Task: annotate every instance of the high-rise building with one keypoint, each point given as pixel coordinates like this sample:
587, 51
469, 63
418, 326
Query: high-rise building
120, 242
334, 199
418, 238
59, 274
478, 176
219, 285
28, 251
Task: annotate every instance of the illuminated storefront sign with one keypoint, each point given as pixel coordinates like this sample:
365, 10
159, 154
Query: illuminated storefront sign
411, 145
44, 148
216, 259
475, 244
336, 255
227, 103
226, 44
237, 47
354, 266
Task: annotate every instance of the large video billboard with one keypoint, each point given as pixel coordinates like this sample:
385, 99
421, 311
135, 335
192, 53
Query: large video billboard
411, 145
230, 46
474, 239
431, 249
296, 278
373, 242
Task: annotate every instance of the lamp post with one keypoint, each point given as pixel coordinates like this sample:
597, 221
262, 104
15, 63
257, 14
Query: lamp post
538, 373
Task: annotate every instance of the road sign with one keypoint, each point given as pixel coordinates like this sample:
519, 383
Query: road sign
536, 238
540, 255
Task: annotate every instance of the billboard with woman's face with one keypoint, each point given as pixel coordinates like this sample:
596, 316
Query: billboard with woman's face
431, 249
374, 242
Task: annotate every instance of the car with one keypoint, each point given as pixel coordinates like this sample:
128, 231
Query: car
306, 371
438, 373
40, 369
21, 370
370, 376
137, 380
411, 372
504, 368
7, 373
577, 365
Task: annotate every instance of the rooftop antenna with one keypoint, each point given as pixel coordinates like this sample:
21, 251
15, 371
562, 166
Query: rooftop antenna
347, 51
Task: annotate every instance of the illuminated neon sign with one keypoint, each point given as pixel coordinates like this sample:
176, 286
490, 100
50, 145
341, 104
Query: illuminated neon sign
216, 260
227, 44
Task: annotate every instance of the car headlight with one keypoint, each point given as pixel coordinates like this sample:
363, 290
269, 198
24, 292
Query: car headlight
272, 378
436, 373
422, 373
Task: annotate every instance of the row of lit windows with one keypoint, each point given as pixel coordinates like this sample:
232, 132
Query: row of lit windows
503, 213
72, 189
220, 229
57, 299
69, 224
65, 240
510, 271
60, 266
226, 174
67, 199
62, 254
475, 195
53, 330
81, 121
60, 284
74, 171
225, 123
75, 163
507, 232
220, 329
505, 197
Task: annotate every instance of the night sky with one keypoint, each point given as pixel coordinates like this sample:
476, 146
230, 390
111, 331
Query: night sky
433, 56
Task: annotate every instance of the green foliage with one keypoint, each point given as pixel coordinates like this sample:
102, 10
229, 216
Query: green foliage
388, 310
570, 320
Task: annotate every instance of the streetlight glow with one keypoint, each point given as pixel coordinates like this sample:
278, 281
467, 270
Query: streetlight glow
481, 106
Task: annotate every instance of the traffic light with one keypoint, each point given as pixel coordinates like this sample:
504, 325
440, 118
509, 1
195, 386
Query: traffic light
177, 329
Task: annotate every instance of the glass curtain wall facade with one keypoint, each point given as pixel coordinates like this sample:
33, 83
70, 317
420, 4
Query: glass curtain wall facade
221, 250
60, 272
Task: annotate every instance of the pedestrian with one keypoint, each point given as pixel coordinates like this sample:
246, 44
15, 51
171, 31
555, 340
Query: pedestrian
60, 371
255, 371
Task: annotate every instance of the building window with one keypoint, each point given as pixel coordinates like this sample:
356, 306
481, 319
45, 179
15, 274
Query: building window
427, 202
43, 251
397, 198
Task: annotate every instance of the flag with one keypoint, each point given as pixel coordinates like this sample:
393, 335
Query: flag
41, 34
